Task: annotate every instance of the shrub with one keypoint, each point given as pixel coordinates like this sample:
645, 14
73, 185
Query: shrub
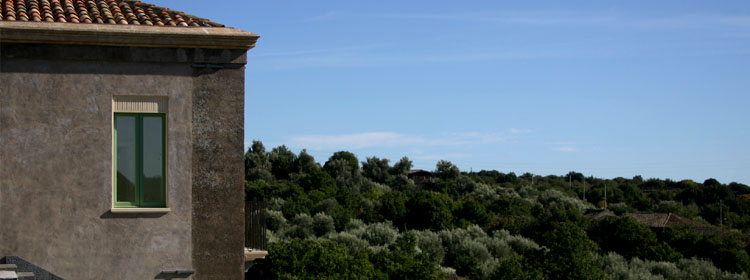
311, 259
302, 227
355, 244
630, 238
323, 224
429, 244
617, 267
380, 234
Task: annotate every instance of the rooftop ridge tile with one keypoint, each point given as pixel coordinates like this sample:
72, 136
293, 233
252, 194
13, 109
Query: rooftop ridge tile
121, 12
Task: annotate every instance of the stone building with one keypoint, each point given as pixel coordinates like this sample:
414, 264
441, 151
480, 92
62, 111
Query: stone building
121, 140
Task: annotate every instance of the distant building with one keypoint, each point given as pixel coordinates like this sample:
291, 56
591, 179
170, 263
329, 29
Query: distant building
667, 220
121, 140
420, 177
598, 214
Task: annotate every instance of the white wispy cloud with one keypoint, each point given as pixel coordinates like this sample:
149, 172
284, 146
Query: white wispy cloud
345, 59
519, 131
354, 141
383, 54
517, 18
306, 52
436, 157
565, 147
557, 18
393, 139
471, 138
741, 21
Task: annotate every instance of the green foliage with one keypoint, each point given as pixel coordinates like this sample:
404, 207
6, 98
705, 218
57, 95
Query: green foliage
570, 253
630, 239
349, 180
446, 170
430, 244
306, 162
617, 267
376, 169
550, 217
429, 210
393, 206
275, 221
310, 259
402, 167
301, 227
471, 212
725, 249
283, 162
472, 259
296, 202
316, 179
402, 261
350, 159
323, 224
373, 222
380, 234
473, 252
514, 212
516, 267
494, 177
553, 196
257, 165
354, 243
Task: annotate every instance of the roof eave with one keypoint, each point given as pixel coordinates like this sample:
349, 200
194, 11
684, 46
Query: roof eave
126, 35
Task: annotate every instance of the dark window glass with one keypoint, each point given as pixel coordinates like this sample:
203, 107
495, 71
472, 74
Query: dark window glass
126, 158
153, 159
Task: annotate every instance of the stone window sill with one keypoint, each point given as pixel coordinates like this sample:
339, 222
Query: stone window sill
253, 254
140, 210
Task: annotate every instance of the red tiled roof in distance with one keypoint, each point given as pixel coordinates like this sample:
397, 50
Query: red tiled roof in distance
125, 12
665, 220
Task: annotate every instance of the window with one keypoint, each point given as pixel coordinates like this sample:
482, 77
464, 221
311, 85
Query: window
139, 160
139, 154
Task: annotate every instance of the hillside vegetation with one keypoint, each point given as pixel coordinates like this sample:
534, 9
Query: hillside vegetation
349, 219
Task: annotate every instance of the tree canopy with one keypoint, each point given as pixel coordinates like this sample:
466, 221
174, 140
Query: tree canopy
367, 220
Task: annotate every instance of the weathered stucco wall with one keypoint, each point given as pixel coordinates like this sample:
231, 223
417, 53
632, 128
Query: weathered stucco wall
56, 161
218, 174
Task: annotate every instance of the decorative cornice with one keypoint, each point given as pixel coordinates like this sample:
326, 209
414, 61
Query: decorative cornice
126, 35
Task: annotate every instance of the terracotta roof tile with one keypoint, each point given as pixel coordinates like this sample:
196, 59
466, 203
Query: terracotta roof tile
98, 11
650, 219
598, 214
662, 220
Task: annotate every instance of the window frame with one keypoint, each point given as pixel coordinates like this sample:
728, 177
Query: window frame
139, 188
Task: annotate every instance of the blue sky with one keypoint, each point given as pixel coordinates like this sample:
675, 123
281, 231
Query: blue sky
608, 88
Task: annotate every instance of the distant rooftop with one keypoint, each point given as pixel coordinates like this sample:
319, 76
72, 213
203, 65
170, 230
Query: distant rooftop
665, 220
598, 214
121, 12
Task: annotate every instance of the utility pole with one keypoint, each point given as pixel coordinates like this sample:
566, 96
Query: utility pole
605, 196
570, 180
721, 213
584, 188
